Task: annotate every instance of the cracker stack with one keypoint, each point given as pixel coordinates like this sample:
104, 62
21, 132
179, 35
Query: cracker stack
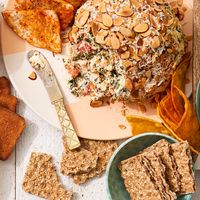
88, 161
161, 171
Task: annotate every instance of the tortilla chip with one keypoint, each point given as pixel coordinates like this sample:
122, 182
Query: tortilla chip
170, 111
64, 10
41, 28
178, 80
141, 125
4, 86
188, 128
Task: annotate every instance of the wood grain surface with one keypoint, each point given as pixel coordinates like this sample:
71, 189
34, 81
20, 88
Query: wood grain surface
196, 47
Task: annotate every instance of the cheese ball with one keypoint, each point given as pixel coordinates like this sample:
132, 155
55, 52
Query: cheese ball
125, 50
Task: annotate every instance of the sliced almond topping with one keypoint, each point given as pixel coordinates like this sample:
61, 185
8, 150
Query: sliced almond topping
115, 43
180, 2
102, 7
169, 22
33, 76
125, 55
156, 42
184, 9
159, 1
140, 42
107, 20
96, 103
125, 11
99, 17
128, 3
181, 14
107, 1
108, 41
141, 28
100, 39
135, 3
173, 4
128, 84
169, 50
123, 49
70, 36
103, 33
140, 52
127, 63
79, 15
118, 21
120, 36
95, 28
102, 26
135, 56
74, 29
158, 9
189, 37
147, 33
126, 32
84, 17
148, 74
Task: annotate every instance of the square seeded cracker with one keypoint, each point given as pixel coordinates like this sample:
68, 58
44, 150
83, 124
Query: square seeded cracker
157, 171
182, 156
41, 179
102, 150
137, 180
78, 161
162, 149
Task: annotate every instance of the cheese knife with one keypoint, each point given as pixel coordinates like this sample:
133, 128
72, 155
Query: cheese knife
41, 65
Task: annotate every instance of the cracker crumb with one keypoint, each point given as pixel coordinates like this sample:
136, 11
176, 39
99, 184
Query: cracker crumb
121, 126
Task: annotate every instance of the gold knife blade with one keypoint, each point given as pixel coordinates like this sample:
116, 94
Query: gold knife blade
39, 62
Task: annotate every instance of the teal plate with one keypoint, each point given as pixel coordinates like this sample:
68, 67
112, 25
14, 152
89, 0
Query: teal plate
114, 183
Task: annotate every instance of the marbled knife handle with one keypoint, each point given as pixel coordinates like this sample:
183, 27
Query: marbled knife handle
67, 127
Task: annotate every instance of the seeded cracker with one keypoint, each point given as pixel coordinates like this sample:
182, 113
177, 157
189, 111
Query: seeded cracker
77, 161
137, 180
41, 179
183, 160
157, 171
102, 150
162, 149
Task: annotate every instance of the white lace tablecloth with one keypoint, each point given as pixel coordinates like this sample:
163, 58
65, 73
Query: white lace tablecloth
42, 137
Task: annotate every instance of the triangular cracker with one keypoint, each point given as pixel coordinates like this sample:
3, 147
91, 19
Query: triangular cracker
41, 179
40, 28
64, 10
